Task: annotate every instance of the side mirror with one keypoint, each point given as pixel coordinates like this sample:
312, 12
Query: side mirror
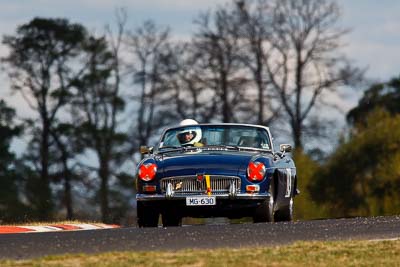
146, 150
285, 148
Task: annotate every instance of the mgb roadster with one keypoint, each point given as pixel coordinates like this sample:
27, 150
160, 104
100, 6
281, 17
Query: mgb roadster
215, 170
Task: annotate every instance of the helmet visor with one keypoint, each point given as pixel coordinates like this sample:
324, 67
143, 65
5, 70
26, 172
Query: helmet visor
186, 136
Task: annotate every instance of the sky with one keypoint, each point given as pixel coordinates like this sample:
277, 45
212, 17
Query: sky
374, 38
373, 41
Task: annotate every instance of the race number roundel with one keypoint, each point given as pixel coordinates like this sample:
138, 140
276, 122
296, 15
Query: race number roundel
256, 171
147, 171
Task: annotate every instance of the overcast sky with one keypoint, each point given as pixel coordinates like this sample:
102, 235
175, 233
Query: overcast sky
374, 40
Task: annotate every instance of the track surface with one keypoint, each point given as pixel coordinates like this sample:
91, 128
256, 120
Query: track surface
30, 245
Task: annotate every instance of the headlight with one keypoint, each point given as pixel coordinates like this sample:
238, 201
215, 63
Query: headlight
256, 171
147, 171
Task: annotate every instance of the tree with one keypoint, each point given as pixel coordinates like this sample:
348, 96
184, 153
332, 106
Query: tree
304, 64
97, 105
362, 177
306, 208
11, 207
150, 49
185, 88
254, 18
41, 67
384, 95
217, 47
191, 96
67, 147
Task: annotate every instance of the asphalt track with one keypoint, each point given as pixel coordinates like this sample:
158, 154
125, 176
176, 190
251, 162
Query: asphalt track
31, 245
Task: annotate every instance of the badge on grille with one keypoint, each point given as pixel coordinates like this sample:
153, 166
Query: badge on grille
200, 177
178, 186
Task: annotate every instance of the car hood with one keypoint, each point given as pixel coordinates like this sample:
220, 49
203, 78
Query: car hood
205, 162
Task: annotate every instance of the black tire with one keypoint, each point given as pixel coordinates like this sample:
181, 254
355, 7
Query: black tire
171, 218
264, 212
285, 214
147, 216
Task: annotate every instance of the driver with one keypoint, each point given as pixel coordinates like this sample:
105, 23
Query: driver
190, 137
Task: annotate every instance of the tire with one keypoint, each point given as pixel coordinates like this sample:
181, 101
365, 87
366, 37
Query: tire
264, 212
171, 218
285, 214
147, 216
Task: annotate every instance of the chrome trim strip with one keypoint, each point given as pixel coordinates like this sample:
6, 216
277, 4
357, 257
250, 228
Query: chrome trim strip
148, 197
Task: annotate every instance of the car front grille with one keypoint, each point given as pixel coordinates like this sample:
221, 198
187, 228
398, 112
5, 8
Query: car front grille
186, 185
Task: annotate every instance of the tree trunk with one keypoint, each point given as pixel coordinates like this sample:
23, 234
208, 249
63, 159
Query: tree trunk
45, 200
298, 127
260, 99
68, 199
297, 135
67, 191
225, 99
104, 174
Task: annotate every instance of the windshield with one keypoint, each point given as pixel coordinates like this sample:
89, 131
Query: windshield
216, 135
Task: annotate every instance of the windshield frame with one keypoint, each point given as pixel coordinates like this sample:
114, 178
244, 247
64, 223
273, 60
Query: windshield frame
158, 150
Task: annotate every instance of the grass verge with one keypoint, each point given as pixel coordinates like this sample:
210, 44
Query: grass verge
341, 253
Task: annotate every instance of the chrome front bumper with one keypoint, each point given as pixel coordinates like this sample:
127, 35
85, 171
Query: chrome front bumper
248, 196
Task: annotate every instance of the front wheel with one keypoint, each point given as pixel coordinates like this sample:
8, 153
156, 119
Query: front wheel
147, 216
264, 212
285, 214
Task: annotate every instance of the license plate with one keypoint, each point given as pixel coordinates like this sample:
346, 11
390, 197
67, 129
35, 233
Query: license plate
200, 201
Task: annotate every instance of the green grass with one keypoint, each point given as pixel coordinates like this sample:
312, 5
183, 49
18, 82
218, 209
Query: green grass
343, 253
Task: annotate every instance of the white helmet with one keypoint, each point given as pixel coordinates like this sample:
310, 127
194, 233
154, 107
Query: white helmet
188, 122
189, 136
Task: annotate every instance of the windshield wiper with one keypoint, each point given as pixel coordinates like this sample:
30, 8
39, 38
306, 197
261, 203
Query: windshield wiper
254, 149
166, 149
173, 147
222, 147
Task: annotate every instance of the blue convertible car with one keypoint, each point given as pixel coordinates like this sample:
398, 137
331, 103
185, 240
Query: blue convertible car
215, 170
